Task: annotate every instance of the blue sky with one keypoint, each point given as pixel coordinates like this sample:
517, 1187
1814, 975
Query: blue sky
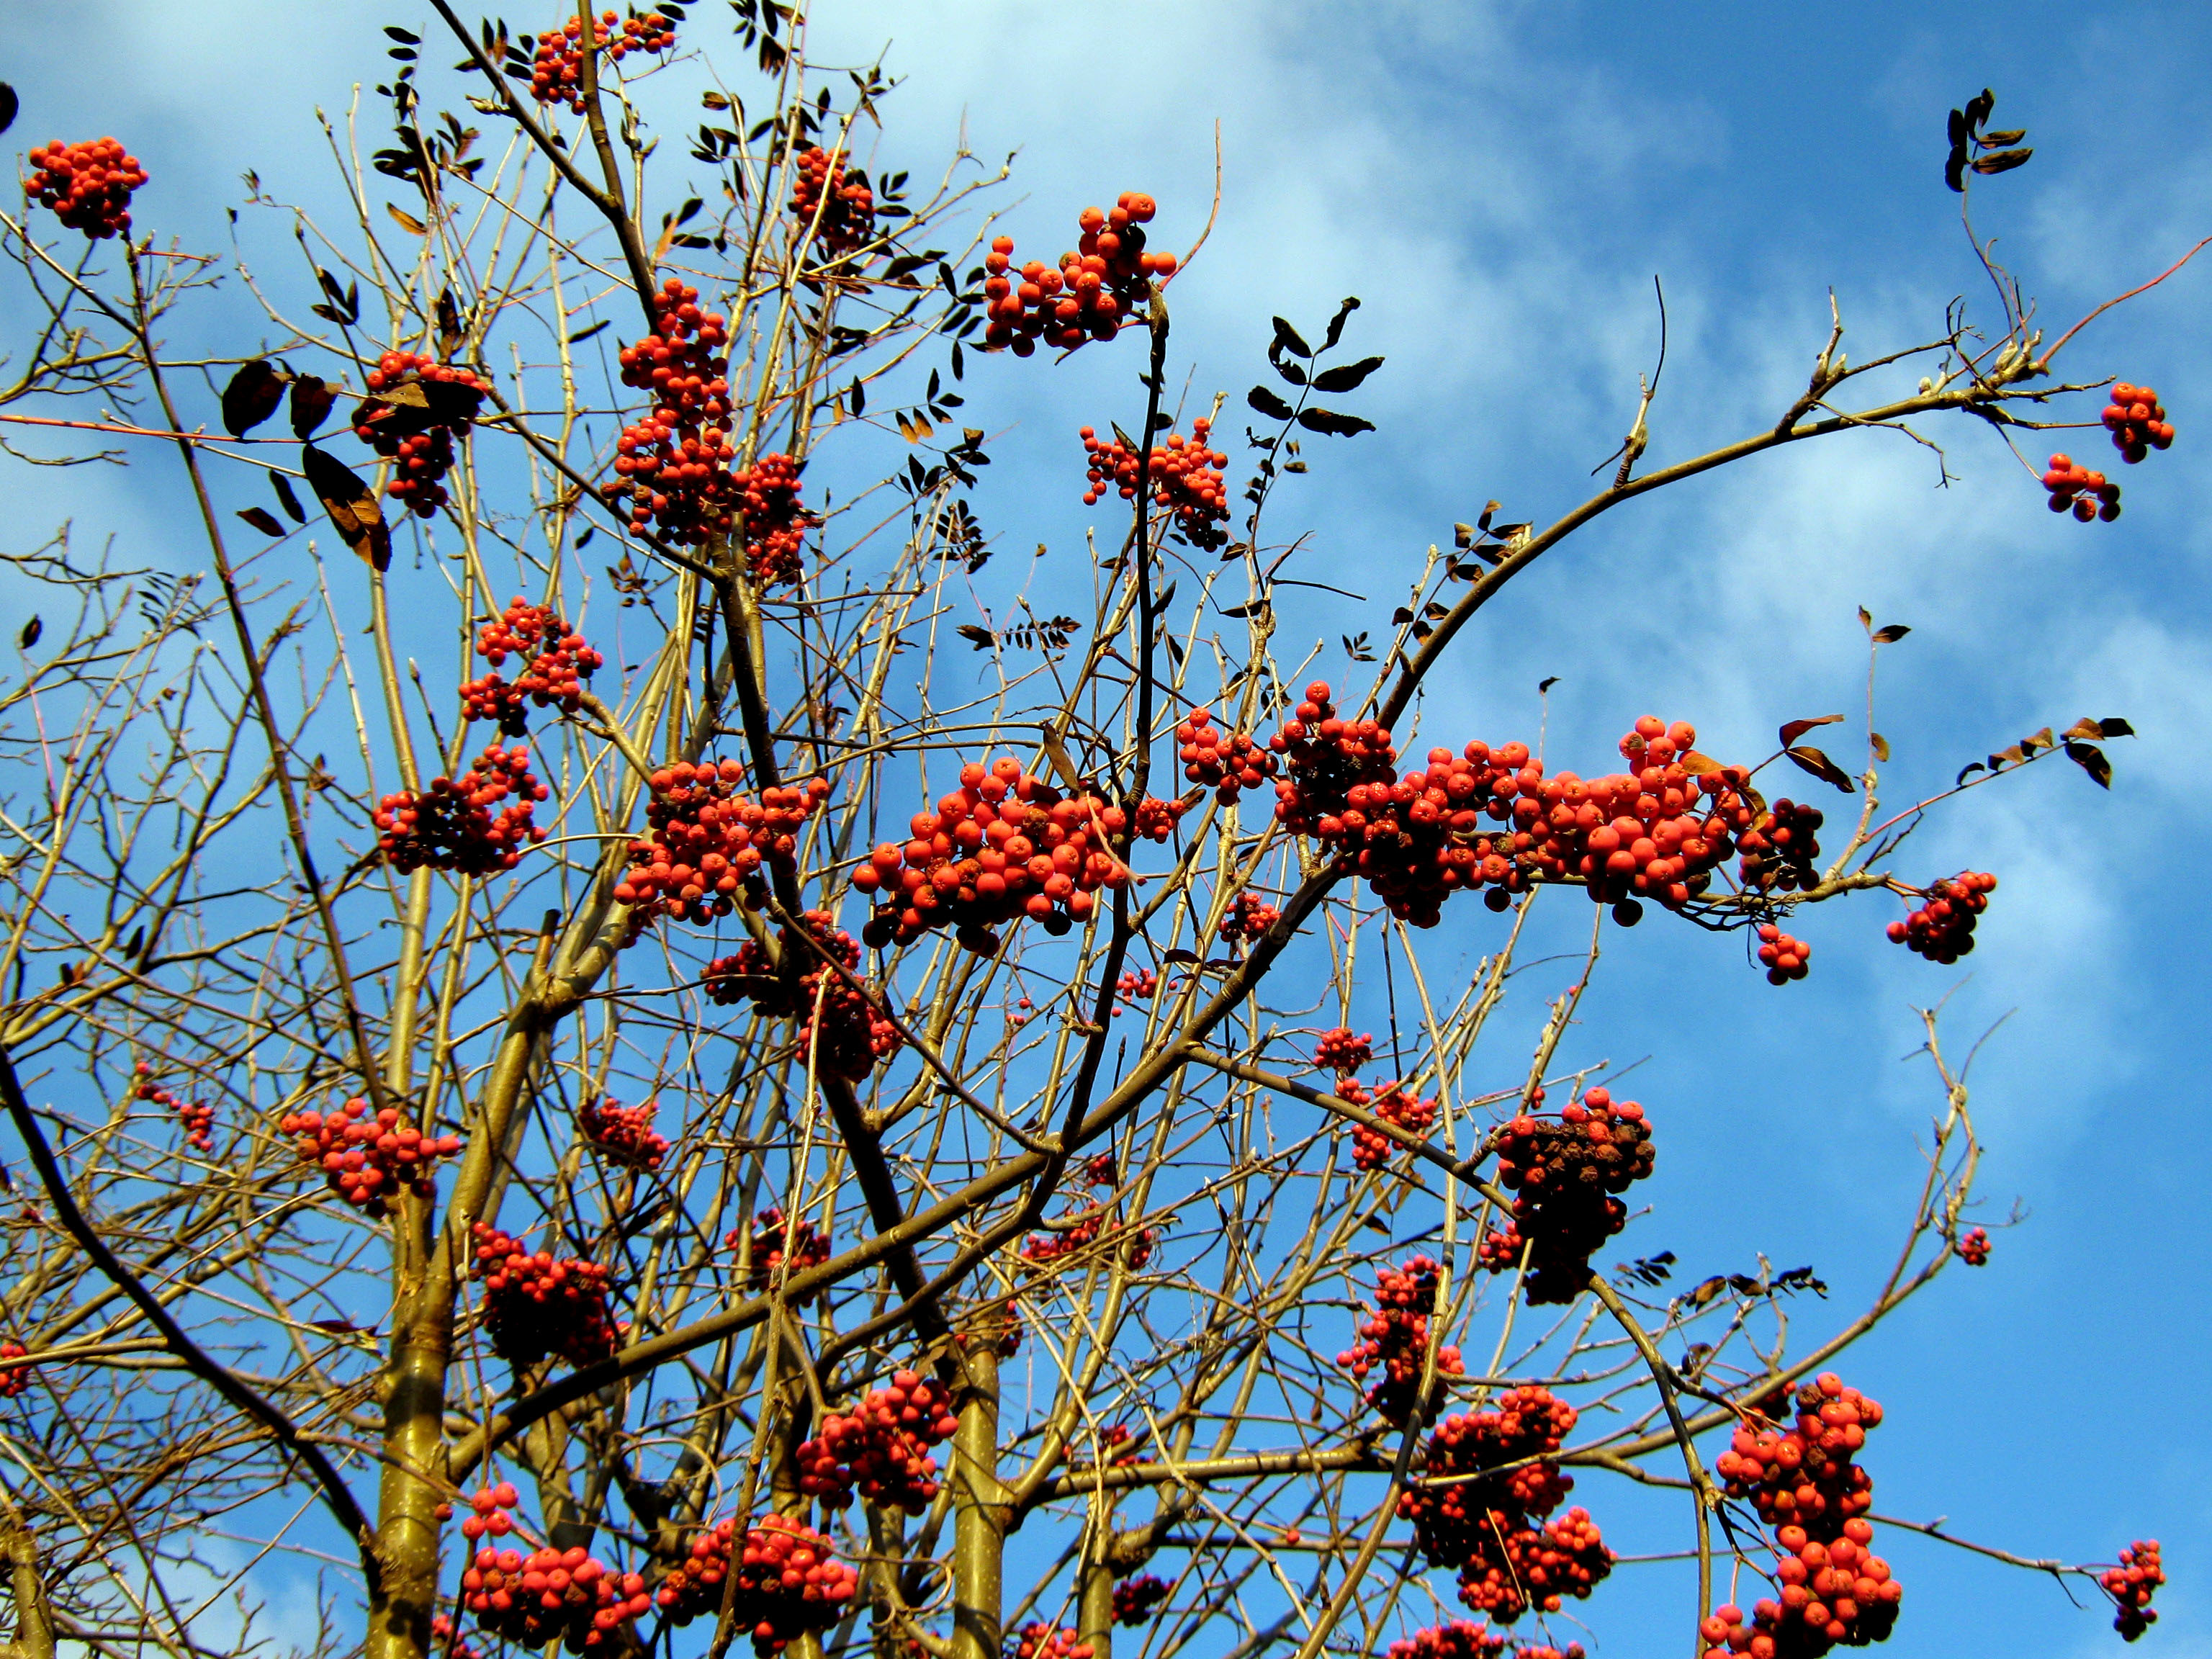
1500, 183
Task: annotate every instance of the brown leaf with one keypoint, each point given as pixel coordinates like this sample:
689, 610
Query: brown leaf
2085, 730
451, 335
252, 397
351, 504
2113, 727
1880, 745
2003, 160
262, 519
2091, 759
311, 404
285, 498
1820, 766
2037, 740
407, 222
1866, 619
1890, 634
1697, 765
1796, 729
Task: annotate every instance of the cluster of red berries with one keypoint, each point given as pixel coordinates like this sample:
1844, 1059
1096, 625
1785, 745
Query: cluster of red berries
810, 1247
882, 1447
88, 186
1455, 1521
1005, 845
491, 1504
1248, 919
1565, 1176
1804, 1476
1514, 1569
623, 1135
1395, 1340
2074, 488
1185, 477
776, 520
1784, 957
673, 462
848, 217
1339, 1050
1135, 1598
15, 1378
1155, 819
842, 1028
1041, 1249
1102, 1170
1370, 1148
415, 432
1831, 1591
1043, 1641
704, 840
556, 75
368, 1160
1137, 985
1094, 288
2131, 1584
789, 1581
558, 661
1227, 762
1973, 1247
535, 1304
448, 1635
196, 1118
1942, 930
450, 825
2137, 421
1458, 1639
1779, 850
552, 1595
1538, 1651
684, 362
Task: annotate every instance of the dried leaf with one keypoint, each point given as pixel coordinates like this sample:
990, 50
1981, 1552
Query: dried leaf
2113, 727
1697, 765
1812, 760
312, 398
34, 628
1345, 377
1336, 425
1967, 771
1866, 619
252, 397
351, 504
285, 498
1796, 729
2000, 140
2086, 730
1336, 323
2091, 759
1880, 745
262, 519
8, 105
1268, 401
407, 222
1890, 634
1288, 339
2003, 160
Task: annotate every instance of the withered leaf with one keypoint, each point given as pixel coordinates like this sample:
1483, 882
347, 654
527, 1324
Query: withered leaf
1268, 403
1812, 760
2091, 759
252, 397
1288, 339
1880, 745
2003, 160
32, 630
262, 519
1796, 729
285, 498
311, 404
1890, 634
8, 105
1345, 377
2001, 140
2113, 727
352, 505
1336, 425
406, 220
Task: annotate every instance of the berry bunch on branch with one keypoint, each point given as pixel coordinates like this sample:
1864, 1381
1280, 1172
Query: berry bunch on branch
1394, 1340
705, 841
88, 186
789, 1581
368, 1158
2131, 1584
1227, 763
451, 825
623, 1135
1134, 1598
568, 1596
1564, 1177
1396, 1106
415, 407
881, 1448
556, 662
841, 1031
2075, 488
1454, 1639
556, 71
822, 185
196, 1118
2137, 421
1942, 929
1185, 477
1095, 288
536, 1304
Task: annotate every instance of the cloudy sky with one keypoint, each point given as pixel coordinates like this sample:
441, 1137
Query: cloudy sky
1500, 183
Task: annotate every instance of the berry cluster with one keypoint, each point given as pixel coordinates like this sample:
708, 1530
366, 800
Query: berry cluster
556, 75
848, 217
789, 1582
1041, 1249
1155, 819
1096, 286
1007, 845
1784, 957
1779, 850
1102, 1170
1538, 1651
1395, 1340
2131, 1584
882, 1446
15, 1378
705, 840
1564, 1178
1339, 1050
1804, 1476
1457, 1640
682, 363
1248, 919
1973, 1247
1043, 1641
553, 1595
1184, 475
1942, 930
415, 407
2074, 488
776, 521
846, 1032
450, 825
536, 1305
1513, 1569
810, 1247
491, 1504
2137, 421
448, 1635
1456, 1521
196, 1118
88, 186
1833, 1591
1135, 1598
1137, 984
1371, 1148
623, 1135
1227, 762
673, 463
368, 1161
558, 662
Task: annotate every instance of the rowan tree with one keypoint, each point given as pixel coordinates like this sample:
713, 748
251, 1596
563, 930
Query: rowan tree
770, 1141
